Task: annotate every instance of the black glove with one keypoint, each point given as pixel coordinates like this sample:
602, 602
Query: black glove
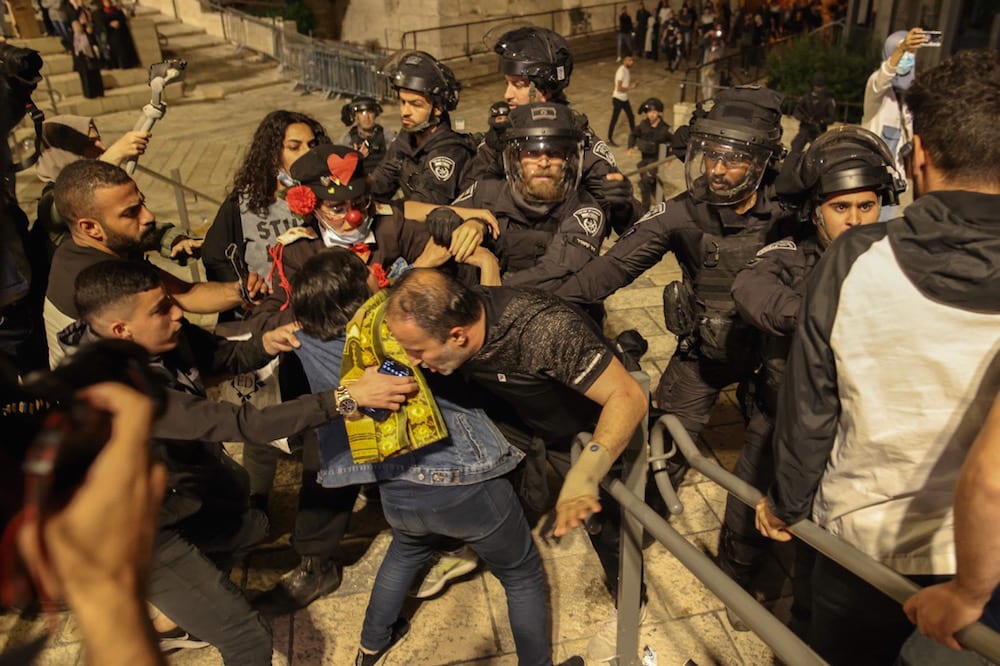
612, 192
441, 222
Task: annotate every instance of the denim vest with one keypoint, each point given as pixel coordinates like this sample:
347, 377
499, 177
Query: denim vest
475, 451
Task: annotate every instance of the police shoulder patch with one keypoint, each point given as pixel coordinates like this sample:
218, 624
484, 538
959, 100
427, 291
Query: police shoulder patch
653, 212
442, 167
602, 150
467, 194
590, 219
783, 244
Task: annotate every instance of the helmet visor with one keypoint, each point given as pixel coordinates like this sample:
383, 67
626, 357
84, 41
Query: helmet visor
543, 169
721, 171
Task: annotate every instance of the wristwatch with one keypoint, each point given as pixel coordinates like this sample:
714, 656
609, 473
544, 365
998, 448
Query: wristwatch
346, 405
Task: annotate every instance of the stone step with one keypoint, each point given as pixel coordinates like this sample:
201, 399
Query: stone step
68, 84
44, 45
56, 63
174, 29
115, 99
189, 42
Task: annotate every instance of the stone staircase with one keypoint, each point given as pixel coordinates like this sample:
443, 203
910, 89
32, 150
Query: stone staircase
215, 69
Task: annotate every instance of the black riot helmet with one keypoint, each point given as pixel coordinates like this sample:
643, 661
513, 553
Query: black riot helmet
740, 134
537, 54
651, 104
421, 72
543, 129
357, 105
849, 159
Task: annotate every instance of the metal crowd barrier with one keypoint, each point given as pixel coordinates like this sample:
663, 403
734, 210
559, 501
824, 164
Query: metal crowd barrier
330, 67
977, 636
629, 492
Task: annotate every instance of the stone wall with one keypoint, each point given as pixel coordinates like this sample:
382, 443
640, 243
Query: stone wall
387, 21
190, 12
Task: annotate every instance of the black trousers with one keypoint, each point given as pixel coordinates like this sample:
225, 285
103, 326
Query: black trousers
853, 623
618, 107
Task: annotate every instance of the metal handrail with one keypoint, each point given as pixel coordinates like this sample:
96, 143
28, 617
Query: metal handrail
785, 644
177, 184
976, 636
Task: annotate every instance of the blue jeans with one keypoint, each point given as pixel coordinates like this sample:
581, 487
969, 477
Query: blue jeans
488, 517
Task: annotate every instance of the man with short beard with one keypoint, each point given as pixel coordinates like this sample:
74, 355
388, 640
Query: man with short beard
107, 217
548, 225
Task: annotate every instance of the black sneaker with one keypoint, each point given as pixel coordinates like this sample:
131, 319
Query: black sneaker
399, 630
178, 639
572, 661
312, 579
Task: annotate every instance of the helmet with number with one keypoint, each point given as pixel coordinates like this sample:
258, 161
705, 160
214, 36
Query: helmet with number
357, 105
730, 147
537, 54
421, 72
849, 159
543, 131
651, 104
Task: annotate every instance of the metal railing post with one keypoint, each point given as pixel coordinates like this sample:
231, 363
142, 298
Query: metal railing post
630, 571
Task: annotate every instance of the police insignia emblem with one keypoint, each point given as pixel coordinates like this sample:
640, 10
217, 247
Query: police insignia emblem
590, 219
442, 167
601, 150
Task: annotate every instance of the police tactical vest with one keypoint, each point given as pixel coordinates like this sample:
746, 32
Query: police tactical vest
412, 171
722, 334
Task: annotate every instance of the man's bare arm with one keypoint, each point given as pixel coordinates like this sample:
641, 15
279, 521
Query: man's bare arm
210, 297
624, 406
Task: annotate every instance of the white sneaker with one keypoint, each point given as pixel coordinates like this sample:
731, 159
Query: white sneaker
603, 645
449, 566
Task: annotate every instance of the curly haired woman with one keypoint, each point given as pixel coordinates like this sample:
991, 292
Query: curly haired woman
255, 213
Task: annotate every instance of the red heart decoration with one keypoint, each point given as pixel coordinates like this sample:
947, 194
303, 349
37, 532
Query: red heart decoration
342, 168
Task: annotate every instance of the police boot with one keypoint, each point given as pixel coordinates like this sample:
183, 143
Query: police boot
313, 578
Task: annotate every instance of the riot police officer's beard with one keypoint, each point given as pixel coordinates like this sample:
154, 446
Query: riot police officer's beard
544, 186
125, 246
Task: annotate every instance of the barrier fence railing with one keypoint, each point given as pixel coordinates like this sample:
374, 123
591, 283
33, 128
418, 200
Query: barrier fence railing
334, 68
977, 636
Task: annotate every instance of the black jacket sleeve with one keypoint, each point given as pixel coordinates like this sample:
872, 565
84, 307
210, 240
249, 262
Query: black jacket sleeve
226, 228
809, 403
215, 355
639, 249
763, 290
192, 417
385, 178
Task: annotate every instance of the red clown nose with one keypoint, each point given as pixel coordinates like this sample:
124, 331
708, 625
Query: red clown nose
353, 218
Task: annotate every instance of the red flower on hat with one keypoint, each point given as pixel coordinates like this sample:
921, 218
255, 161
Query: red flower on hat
342, 168
301, 200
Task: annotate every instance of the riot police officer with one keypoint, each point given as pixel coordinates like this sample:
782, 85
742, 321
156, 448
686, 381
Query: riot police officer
726, 215
547, 224
364, 133
843, 180
537, 64
427, 158
647, 136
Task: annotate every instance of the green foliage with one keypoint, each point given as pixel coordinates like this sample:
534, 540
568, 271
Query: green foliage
293, 10
790, 71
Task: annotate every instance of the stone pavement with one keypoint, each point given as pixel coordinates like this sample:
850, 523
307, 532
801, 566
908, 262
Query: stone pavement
467, 623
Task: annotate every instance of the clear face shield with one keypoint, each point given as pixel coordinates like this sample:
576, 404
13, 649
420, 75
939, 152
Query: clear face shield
543, 169
723, 171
